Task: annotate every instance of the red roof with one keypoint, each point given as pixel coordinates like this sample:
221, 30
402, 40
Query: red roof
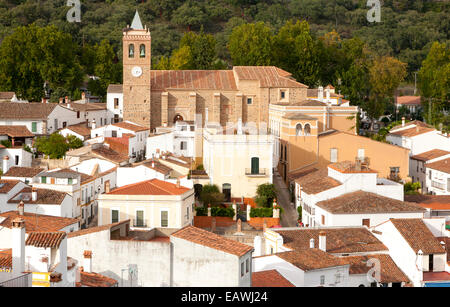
150, 187
96, 280
45, 239
269, 278
408, 100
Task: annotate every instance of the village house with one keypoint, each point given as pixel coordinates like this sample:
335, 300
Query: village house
146, 170
348, 194
435, 205
415, 249
328, 256
188, 257
437, 181
412, 103
114, 101
9, 188
81, 131
14, 156
327, 95
418, 166
24, 174
418, 137
149, 204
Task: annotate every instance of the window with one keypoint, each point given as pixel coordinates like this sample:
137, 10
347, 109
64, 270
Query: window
298, 129
183, 145
333, 155
323, 219
187, 213
430, 263
242, 269
394, 172
283, 94
366, 222
139, 218
307, 129
78, 114
34, 127
69, 181
142, 51
64, 124
114, 134
249, 100
16, 160
361, 153
131, 51
164, 218
116, 103
322, 280
114, 216
255, 165
448, 184
247, 266
43, 179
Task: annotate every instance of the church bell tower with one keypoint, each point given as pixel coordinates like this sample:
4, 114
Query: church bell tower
136, 73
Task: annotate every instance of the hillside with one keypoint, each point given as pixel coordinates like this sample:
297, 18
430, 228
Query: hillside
406, 30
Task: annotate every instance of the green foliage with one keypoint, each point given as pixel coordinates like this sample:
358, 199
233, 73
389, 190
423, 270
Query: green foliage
210, 195
6, 143
27, 148
215, 211
56, 145
261, 212
299, 211
265, 194
200, 167
411, 188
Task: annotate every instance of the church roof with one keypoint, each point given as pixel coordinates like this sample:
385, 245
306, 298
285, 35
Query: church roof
137, 24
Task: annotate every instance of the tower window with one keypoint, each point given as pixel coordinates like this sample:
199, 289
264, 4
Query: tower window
131, 51
142, 51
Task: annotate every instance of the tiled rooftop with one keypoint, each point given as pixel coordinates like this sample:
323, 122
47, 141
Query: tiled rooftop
45, 239
314, 182
20, 171
350, 167
150, 187
441, 165
15, 131
269, 278
365, 202
212, 240
311, 259
418, 236
130, 126
96, 280
434, 202
37, 222
7, 185
32, 110
44, 197
429, 155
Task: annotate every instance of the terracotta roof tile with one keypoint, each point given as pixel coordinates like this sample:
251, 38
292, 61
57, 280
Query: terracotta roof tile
45, 239
418, 236
7, 95
110, 154
19, 171
83, 107
32, 110
311, 259
150, 187
44, 196
350, 167
7, 185
429, 155
269, 278
413, 131
338, 240
15, 131
313, 182
6, 258
89, 230
434, 202
390, 272
193, 79
96, 280
37, 222
130, 126
80, 129
365, 202
212, 240
408, 100
441, 165
268, 76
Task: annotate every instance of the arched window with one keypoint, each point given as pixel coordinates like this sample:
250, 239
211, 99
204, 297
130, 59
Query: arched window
131, 50
307, 129
142, 51
177, 118
298, 129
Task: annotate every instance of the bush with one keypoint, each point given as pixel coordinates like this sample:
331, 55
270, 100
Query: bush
210, 194
411, 188
261, 212
215, 211
299, 210
201, 211
200, 167
6, 143
265, 194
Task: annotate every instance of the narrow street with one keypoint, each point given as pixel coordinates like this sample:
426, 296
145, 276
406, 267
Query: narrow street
289, 215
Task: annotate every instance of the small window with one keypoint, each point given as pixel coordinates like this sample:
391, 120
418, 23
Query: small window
131, 51
366, 222
183, 145
322, 280
34, 127
16, 160
283, 94
114, 134
164, 219
333, 155
249, 100
361, 153
116, 102
298, 129
142, 51
78, 114
307, 129
247, 266
323, 220
242, 269
64, 124
69, 181
114, 216
43, 179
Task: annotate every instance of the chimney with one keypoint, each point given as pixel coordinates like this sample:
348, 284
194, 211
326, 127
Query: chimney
311, 243
93, 125
419, 262
5, 164
21, 208
320, 93
83, 95
18, 245
323, 241
66, 100
68, 105
87, 261
327, 91
178, 183
153, 164
33, 194
61, 100
403, 121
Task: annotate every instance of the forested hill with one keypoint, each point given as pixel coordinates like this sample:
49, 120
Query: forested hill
406, 30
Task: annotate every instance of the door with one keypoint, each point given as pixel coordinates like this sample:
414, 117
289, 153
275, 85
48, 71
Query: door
430, 263
226, 190
107, 186
255, 165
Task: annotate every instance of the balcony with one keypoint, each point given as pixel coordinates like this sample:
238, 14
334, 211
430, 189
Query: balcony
139, 224
437, 185
262, 172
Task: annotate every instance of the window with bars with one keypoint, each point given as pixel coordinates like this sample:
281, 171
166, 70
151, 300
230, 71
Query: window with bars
164, 218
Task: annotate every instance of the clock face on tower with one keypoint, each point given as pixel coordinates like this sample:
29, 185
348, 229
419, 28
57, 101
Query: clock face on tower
136, 71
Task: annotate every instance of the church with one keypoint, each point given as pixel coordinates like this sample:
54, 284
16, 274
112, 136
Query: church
156, 98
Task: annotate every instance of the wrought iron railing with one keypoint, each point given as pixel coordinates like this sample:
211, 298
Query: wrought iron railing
258, 172
139, 223
20, 281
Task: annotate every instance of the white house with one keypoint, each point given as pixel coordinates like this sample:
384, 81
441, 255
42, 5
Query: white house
418, 165
9, 188
327, 95
145, 171
158, 257
418, 137
14, 157
39, 118
81, 131
414, 248
24, 174
347, 194
114, 101
438, 177
149, 204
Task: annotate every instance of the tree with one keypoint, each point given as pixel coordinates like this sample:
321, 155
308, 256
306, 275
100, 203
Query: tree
54, 146
251, 44
265, 194
190, 14
73, 142
210, 195
32, 55
295, 50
